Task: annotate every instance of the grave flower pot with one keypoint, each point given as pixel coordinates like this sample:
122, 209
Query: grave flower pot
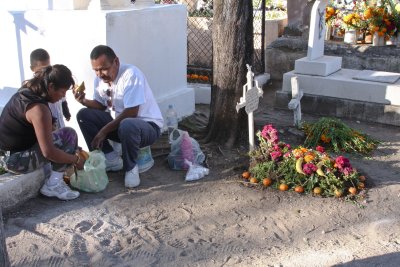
350, 37
328, 32
378, 40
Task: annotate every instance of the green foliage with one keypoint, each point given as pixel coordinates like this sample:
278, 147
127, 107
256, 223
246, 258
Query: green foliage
263, 170
334, 135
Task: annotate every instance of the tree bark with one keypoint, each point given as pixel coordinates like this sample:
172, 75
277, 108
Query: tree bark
3, 249
232, 50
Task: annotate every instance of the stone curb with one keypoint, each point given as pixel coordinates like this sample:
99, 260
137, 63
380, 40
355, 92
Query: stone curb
16, 189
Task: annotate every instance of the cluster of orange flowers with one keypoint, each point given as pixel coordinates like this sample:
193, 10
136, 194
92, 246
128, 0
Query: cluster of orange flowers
384, 19
330, 14
198, 78
380, 20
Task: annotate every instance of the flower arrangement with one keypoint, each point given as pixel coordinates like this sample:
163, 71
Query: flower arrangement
395, 16
380, 20
366, 16
302, 169
334, 135
352, 21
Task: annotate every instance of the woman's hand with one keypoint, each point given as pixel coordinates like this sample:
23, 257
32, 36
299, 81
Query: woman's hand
80, 162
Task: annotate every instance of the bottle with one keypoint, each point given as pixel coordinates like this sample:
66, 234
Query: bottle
171, 121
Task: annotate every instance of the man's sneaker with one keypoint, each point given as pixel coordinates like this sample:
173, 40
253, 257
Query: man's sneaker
114, 165
60, 190
132, 177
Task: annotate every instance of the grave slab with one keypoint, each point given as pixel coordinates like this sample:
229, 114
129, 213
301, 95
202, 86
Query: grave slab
377, 76
342, 85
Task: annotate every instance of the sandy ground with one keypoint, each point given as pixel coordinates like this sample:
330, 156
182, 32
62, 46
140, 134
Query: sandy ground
218, 221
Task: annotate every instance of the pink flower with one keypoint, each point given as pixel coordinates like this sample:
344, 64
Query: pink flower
347, 170
342, 162
275, 155
270, 134
286, 155
320, 149
309, 168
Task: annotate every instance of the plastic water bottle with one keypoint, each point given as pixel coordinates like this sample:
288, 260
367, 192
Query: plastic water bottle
171, 120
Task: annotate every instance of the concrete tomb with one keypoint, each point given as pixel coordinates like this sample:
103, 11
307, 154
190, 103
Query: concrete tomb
330, 90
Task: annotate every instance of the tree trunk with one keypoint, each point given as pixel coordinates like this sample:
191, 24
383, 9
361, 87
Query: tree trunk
232, 50
3, 249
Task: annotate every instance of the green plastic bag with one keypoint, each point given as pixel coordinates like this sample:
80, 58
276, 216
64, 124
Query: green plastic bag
93, 177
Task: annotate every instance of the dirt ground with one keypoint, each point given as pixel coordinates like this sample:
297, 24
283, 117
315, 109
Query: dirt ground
218, 220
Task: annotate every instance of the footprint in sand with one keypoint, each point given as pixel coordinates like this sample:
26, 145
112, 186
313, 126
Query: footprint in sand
385, 230
78, 248
85, 226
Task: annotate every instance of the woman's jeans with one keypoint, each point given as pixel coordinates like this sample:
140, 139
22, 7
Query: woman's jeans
132, 133
32, 159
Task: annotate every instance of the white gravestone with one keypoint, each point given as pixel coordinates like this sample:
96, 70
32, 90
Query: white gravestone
316, 63
143, 3
109, 4
295, 104
250, 101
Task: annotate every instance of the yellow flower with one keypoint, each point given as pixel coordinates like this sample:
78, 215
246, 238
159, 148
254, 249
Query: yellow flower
309, 157
368, 13
397, 7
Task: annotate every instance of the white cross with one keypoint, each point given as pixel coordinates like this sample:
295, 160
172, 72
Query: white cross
250, 101
294, 104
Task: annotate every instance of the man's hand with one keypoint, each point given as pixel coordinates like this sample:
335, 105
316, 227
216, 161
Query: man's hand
98, 140
79, 96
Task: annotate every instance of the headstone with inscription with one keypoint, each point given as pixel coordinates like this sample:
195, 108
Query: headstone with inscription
250, 101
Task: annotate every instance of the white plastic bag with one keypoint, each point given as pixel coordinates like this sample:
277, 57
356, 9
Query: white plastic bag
184, 147
93, 177
195, 172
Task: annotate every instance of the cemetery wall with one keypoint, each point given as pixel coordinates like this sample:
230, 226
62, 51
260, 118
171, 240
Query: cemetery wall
281, 54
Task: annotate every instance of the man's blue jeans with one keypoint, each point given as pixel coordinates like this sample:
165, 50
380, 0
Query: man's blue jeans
132, 133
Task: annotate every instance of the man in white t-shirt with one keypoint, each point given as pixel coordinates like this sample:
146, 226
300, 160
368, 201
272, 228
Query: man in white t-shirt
121, 89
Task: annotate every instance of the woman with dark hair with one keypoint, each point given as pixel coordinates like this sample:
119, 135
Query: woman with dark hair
26, 131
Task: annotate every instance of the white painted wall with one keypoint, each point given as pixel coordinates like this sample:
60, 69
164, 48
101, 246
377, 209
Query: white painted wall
152, 38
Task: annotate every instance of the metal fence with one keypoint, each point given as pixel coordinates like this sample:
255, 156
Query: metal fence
199, 37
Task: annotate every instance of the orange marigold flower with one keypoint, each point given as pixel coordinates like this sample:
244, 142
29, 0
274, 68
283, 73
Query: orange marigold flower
325, 139
309, 157
297, 153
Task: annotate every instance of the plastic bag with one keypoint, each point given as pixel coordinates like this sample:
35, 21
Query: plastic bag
184, 147
195, 171
93, 177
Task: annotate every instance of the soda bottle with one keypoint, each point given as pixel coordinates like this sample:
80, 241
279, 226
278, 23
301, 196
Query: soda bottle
171, 120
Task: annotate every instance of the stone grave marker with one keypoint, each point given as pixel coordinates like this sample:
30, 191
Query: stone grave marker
316, 63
